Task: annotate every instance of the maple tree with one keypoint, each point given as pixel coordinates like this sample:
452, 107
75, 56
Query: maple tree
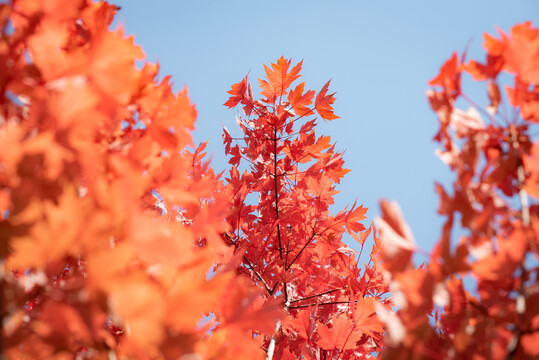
282, 233
477, 296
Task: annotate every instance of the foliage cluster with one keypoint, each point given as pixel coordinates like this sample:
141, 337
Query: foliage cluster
119, 241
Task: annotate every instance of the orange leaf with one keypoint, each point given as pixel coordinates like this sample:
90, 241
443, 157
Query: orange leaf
140, 306
63, 325
341, 335
364, 316
61, 222
304, 323
395, 234
449, 76
396, 242
238, 93
521, 52
299, 100
246, 309
113, 65
323, 189
279, 79
160, 241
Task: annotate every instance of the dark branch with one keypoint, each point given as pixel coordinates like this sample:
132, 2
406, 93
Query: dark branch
319, 304
317, 295
299, 253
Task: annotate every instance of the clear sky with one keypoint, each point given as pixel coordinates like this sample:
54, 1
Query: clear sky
379, 54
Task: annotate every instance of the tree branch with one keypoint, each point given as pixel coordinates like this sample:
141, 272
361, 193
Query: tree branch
273, 341
319, 304
277, 192
317, 295
303, 248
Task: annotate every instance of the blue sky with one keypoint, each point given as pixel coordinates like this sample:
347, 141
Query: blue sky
379, 54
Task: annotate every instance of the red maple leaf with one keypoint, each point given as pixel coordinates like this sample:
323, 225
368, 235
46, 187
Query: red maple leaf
278, 79
364, 316
323, 103
299, 101
341, 336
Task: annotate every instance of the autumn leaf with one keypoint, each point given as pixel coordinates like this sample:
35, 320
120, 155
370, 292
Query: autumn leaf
112, 66
341, 335
449, 77
323, 103
353, 217
494, 64
246, 309
395, 234
521, 52
238, 93
140, 308
63, 324
279, 79
53, 10
322, 189
50, 222
304, 323
364, 316
299, 101
159, 241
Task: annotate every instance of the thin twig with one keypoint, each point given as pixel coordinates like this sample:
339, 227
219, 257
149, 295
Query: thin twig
317, 295
299, 253
319, 304
477, 107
